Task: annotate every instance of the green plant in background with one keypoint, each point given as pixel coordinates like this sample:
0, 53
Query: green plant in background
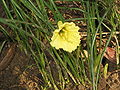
29, 23
95, 59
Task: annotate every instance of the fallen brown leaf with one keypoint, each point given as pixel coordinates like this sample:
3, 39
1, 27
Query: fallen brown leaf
110, 54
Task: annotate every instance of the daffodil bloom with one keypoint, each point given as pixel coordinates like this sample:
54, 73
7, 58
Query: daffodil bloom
66, 36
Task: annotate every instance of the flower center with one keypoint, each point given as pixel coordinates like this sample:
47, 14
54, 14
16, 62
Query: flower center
62, 31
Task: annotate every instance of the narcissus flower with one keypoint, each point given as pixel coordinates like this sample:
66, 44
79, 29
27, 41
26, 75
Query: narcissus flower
66, 36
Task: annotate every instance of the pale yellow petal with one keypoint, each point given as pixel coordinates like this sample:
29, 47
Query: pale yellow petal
71, 27
60, 25
57, 42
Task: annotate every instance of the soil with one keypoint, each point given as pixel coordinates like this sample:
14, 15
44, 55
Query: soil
20, 74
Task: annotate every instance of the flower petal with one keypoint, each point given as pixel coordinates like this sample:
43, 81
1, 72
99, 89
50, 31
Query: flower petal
60, 25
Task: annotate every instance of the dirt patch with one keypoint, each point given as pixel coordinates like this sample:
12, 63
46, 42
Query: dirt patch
21, 73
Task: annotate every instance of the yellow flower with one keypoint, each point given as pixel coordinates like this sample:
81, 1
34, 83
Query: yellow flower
66, 36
